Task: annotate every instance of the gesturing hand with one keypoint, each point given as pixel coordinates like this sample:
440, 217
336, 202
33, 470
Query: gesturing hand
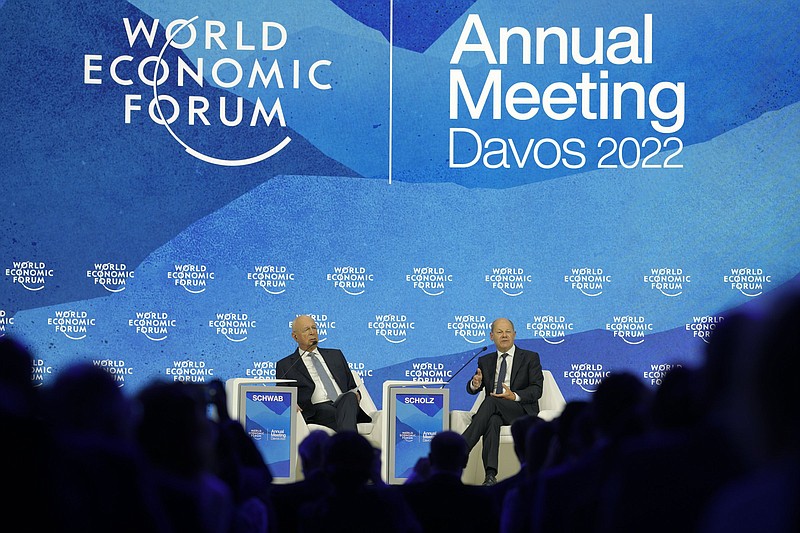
507, 394
477, 379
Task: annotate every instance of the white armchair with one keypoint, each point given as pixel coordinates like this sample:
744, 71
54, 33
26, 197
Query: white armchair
551, 404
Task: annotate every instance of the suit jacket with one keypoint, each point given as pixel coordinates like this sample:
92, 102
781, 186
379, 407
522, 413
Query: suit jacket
290, 367
527, 379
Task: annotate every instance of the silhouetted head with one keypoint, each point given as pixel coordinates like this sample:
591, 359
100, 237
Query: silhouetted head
85, 398
312, 451
173, 429
448, 452
17, 393
349, 459
519, 432
769, 378
729, 345
620, 404
538, 445
675, 402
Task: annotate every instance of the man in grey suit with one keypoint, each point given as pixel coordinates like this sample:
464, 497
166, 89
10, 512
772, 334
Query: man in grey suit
326, 391
512, 380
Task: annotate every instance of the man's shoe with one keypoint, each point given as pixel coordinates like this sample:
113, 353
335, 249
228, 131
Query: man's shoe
490, 480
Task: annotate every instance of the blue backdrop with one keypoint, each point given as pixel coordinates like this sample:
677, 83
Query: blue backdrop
612, 178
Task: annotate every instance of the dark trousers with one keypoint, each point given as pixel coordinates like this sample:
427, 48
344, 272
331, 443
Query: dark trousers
492, 414
340, 415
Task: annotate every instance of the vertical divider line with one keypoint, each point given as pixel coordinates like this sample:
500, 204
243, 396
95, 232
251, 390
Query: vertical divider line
391, 80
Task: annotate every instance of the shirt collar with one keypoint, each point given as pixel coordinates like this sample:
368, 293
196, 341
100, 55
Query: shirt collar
510, 352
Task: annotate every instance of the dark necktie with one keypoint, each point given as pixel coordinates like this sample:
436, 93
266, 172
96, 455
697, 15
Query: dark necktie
327, 384
501, 376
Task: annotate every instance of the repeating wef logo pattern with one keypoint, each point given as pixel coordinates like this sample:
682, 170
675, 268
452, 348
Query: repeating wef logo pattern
360, 368
552, 329
702, 327
113, 277
656, 374
40, 370
74, 325
748, 281
631, 329
261, 370
189, 371
474, 329
427, 371
155, 326
273, 279
589, 281
5, 321
509, 281
118, 369
393, 328
351, 280
193, 278
233, 326
430, 280
31, 275
587, 376
668, 281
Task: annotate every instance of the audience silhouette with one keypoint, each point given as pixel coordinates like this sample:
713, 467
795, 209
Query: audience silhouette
354, 502
286, 499
714, 447
442, 502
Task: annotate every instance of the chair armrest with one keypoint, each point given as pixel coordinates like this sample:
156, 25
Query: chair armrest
459, 420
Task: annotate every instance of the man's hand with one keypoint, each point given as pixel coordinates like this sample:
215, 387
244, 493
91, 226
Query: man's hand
507, 394
477, 379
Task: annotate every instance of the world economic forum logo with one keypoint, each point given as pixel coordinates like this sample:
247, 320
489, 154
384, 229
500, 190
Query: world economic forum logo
153, 325
233, 326
552, 329
668, 281
31, 275
587, 376
223, 58
589, 281
430, 280
472, 328
350, 279
5, 321
113, 277
393, 328
631, 329
74, 325
748, 281
117, 368
194, 278
510, 281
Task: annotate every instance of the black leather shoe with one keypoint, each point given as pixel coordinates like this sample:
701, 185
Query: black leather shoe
490, 480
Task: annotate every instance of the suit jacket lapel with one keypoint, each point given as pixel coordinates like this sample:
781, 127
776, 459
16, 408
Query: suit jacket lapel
516, 364
301, 366
491, 369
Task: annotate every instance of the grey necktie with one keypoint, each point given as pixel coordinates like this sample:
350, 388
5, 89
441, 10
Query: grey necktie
327, 384
501, 376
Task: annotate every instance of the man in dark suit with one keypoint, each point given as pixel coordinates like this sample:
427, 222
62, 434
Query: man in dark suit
326, 391
512, 380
